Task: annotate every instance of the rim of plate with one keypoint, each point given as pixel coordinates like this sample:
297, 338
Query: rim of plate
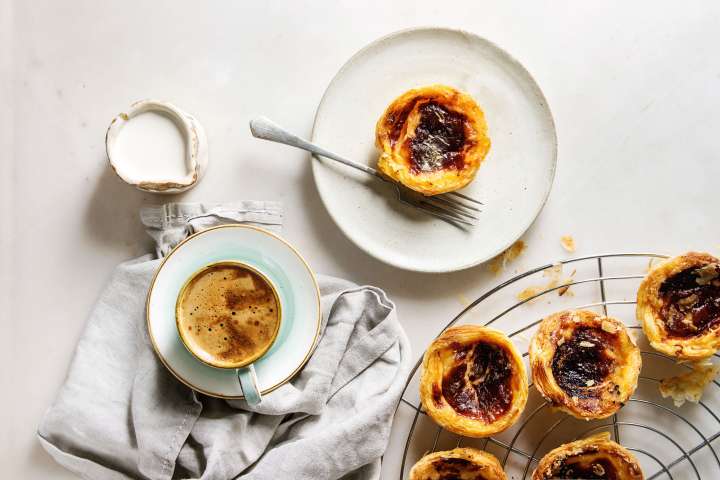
537, 90
187, 382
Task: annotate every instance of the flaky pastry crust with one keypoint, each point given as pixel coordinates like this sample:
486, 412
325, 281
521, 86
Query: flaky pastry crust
678, 305
432, 139
460, 463
473, 381
593, 457
584, 363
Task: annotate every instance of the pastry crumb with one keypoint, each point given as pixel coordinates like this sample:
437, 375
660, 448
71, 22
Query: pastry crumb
555, 274
707, 274
566, 288
499, 263
464, 301
608, 326
528, 293
689, 386
568, 243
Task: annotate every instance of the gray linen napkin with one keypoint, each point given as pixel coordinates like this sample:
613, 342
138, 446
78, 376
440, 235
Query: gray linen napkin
121, 414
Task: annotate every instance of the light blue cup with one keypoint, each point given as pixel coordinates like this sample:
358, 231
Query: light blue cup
299, 301
245, 369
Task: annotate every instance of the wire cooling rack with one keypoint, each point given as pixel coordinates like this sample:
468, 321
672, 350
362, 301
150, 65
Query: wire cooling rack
669, 441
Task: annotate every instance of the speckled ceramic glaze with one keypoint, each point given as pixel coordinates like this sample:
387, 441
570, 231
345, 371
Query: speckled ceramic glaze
513, 181
297, 292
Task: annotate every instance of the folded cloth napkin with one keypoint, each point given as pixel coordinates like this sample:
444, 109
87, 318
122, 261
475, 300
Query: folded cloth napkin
121, 414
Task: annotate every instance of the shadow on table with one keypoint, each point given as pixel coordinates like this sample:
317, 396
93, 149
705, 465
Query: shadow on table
113, 214
44, 465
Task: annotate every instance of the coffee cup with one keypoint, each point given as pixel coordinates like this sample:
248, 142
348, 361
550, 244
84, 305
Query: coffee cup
228, 315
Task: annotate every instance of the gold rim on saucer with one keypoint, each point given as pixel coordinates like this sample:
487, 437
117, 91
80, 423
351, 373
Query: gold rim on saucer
213, 394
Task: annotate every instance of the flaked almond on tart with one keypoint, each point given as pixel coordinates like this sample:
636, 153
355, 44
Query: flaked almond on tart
461, 463
678, 304
473, 381
433, 139
593, 457
584, 363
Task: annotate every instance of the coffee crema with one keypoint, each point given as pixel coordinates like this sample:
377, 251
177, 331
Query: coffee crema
228, 315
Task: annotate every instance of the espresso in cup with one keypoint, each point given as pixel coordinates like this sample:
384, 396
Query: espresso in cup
228, 315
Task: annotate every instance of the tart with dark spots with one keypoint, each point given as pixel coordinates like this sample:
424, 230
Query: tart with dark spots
433, 139
473, 381
460, 464
590, 458
678, 304
584, 363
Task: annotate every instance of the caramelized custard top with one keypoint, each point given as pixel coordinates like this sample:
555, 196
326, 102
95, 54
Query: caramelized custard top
457, 468
691, 301
479, 385
439, 137
576, 467
438, 141
582, 362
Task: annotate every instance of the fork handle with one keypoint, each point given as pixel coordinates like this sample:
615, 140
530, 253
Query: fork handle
266, 129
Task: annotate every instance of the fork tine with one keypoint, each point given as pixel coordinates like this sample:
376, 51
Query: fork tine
464, 197
458, 206
455, 202
419, 202
448, 206
455, 221
440, 212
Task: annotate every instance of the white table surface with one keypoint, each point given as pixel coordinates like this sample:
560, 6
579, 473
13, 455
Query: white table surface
633, 87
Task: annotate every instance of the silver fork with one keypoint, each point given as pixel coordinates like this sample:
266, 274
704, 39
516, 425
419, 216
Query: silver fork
453, 207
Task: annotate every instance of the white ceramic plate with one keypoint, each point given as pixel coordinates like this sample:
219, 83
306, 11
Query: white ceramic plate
286, 269
513, 182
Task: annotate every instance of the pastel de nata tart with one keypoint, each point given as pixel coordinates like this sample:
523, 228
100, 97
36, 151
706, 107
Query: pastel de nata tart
593, 457
678, 304
432, 139
584, 364
473, 381
460, 463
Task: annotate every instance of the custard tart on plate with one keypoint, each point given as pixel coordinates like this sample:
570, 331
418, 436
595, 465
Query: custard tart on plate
584, 363
459, 463
473, 381
678, 304
433, 139
593, 457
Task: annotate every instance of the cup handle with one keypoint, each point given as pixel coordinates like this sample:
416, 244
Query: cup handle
249, 385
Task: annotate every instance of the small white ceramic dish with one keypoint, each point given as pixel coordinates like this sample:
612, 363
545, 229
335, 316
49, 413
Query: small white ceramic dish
513, 181
280, 263
192, 162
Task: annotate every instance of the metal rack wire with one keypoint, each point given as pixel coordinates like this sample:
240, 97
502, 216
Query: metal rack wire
647, 420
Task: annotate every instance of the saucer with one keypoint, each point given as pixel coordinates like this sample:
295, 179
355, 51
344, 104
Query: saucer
296, 287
